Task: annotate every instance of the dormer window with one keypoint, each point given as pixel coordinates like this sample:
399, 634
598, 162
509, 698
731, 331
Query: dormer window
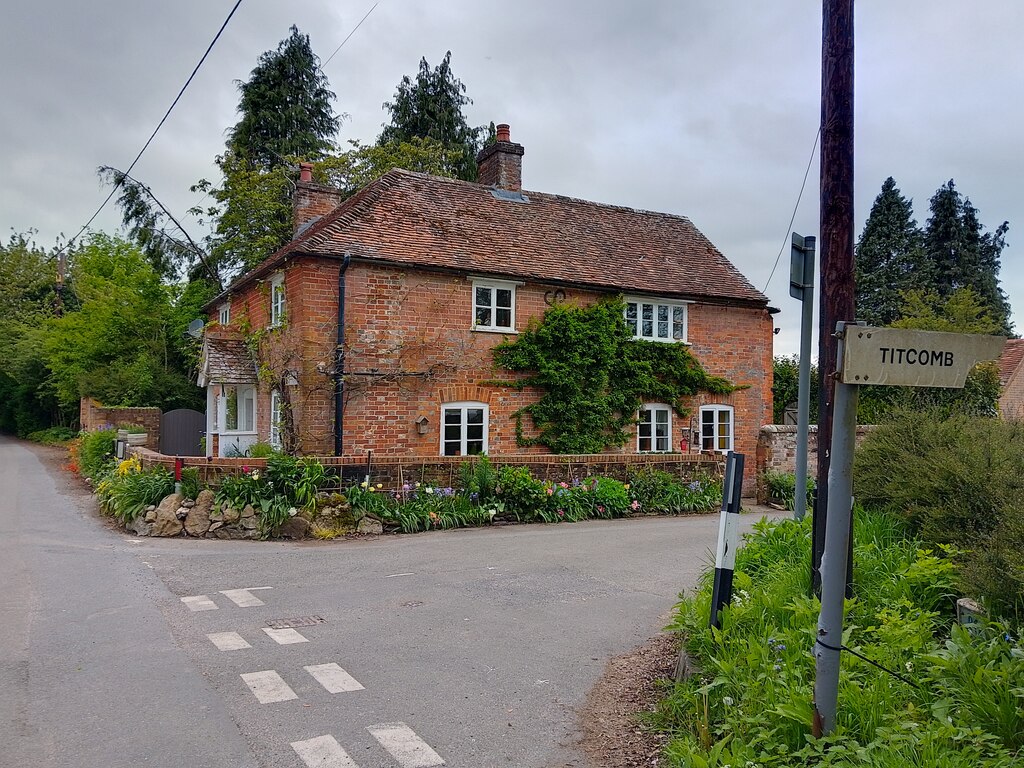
224, 313
656, 319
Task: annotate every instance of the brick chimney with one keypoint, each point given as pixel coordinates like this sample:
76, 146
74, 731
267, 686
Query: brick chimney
310, 200
501, 164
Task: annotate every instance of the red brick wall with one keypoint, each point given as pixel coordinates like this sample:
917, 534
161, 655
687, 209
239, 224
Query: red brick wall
92, 415
410, 348
1011, 402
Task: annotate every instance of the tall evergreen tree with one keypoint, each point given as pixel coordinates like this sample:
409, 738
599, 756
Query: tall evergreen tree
431, 108
285, 106
962, 255
889, 257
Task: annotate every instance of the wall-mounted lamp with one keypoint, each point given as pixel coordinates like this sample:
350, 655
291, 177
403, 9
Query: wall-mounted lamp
422, 425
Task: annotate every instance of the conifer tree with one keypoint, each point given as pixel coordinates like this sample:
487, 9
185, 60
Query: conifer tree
889, 257
431, 108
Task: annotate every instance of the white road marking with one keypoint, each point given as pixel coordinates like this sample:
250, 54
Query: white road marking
268, 687
334, 678
243, 598
405, 746
199, 603
285, 636
228, 641
323, 752
393, 575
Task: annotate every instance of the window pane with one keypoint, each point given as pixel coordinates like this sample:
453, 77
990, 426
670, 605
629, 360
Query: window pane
504, 297
663, 313
451, 449
631, 311
661, 430
248, 410
645, 444
661, 416
452, 416
453, 432
474, 415
707, 417
663, 330
723, 416
662, 444
631, 324
475, 432
483, 317
647, 331
474, 446
483, 297
231, 409
678, 324
648, 312
503, 318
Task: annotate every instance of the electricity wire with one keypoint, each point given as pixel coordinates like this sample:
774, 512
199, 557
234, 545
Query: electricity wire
155, 130
872, 662
796, 207
357, 26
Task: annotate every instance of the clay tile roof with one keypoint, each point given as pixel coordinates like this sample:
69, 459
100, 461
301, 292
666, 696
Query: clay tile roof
1010, 360
225, 361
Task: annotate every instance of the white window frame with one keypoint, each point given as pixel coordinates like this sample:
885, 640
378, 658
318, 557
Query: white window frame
224, 313
656, 305
654, 409
716, 446
276, 407
278, 302
243, 393
464, 407
494, 286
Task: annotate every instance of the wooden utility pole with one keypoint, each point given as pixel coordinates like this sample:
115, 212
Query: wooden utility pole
836, 229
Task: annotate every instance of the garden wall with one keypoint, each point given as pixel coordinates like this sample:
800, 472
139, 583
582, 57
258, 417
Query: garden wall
776, 449
92, 415
394, 471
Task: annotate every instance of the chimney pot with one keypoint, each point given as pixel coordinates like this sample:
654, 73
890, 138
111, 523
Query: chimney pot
306, 172
503, 132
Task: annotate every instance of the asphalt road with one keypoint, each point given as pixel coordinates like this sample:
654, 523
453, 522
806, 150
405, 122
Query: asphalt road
474, 647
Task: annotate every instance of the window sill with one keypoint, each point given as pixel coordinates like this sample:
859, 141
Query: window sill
236, 433
684, 342
505, 331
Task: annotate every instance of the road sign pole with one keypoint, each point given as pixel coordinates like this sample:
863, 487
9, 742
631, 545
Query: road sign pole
836, 552
803, 264
728, 536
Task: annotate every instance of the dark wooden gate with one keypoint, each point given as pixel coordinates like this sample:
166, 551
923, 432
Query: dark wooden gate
181, 432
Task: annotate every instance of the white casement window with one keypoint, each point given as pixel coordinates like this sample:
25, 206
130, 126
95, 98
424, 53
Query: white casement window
237, 411
276, 418
716, 428
654, 429
656, 320
224, 313
277, 302
463, 429
494, 306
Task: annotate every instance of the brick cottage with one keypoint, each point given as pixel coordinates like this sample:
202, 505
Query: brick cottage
432, 274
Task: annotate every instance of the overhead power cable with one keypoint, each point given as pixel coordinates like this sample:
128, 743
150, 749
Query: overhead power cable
357, 26
155, 130
796, 207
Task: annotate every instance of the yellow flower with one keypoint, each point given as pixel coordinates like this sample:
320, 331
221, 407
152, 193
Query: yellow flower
380, 485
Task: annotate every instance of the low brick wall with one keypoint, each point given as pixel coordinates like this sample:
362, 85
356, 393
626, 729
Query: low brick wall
93, 415
394, 471
776, 450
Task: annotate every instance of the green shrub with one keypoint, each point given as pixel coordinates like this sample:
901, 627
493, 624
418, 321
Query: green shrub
522, 495
782, 486
957, 480
52, 436
191, 485
610, 498
261, 451
658, 491
254, 487
126, 495
96, 452
749, 701
478, 478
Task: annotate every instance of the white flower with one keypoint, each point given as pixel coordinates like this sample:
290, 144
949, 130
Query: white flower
492, 513
727, 700
255, 474
429, 489
293, 512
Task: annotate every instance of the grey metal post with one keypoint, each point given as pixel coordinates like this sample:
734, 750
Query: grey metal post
837, 547
803, 412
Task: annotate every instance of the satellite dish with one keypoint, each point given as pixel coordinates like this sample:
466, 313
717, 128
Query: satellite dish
195, 328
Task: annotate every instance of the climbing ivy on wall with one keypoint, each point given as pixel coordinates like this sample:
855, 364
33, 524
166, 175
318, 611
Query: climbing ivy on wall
594, 377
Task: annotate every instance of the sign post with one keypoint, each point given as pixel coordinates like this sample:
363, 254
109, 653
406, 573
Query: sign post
801, 286
886, 356
728, 536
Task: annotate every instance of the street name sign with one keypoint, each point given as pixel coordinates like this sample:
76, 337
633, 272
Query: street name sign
904, 358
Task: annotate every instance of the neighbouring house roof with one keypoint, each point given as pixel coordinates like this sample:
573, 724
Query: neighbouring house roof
225, 361
414, 219
1010, 360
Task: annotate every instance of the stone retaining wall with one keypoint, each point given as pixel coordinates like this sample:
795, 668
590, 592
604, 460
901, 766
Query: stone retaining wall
776, 450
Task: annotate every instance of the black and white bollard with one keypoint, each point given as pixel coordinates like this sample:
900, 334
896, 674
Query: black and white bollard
728, 536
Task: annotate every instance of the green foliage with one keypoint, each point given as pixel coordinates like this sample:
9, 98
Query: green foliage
658, 491
191, 484
478, 479
52, 436
521, 494
261, 450
594, 376
365, 163
431, 108
957, 480
749, 702
96, 452
285, 107
786, 387
782, 486
126, 495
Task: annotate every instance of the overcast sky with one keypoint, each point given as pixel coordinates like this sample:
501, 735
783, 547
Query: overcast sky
705, 109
